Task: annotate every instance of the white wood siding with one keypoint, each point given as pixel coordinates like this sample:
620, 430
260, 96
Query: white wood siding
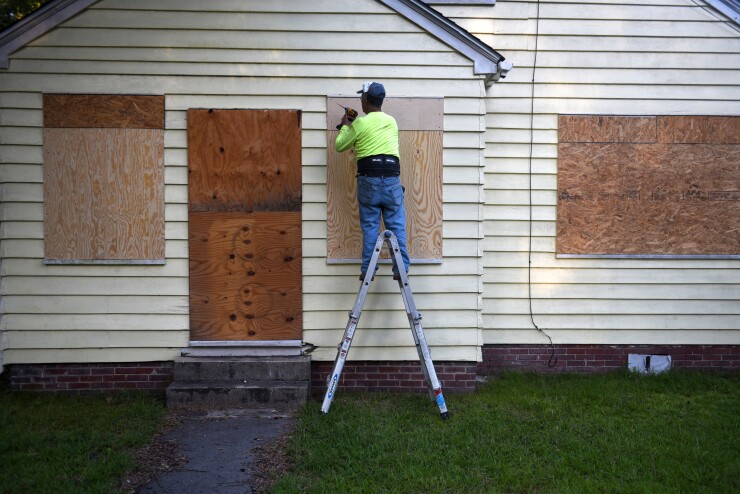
595, 57
239, 54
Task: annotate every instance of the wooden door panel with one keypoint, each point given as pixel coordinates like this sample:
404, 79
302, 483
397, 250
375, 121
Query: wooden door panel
244, 160
245, 273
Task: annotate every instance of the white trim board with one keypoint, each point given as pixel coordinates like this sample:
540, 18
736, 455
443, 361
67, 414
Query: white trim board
728, 8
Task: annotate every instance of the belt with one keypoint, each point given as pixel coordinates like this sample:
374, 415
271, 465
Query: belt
378, 173
379, 165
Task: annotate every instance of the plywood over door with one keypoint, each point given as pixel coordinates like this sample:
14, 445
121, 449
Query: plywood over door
244, 160
245, 271
244, 169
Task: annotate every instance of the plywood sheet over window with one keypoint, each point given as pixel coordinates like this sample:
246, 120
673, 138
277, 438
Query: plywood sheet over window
420, 123
655, 185
103, 111
103, 179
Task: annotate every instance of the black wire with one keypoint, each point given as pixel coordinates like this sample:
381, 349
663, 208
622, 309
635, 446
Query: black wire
553, 359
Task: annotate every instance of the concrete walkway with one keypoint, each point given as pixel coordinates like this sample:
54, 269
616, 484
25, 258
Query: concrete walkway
219, 447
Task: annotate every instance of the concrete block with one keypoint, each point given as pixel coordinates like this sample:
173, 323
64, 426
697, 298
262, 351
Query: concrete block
219, 394
295, 368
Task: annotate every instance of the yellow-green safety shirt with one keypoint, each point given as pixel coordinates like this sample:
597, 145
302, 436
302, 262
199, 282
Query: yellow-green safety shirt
375, 133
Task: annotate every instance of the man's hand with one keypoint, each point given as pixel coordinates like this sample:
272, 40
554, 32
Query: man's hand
346, 121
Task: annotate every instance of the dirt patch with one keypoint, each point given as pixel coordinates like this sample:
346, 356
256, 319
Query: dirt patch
271, 461
154, 459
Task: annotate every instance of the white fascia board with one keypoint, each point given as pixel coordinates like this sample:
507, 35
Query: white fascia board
728, 8
485, 59
461, 2
37, 24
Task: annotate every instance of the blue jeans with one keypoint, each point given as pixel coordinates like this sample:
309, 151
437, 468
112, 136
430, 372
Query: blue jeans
376, 196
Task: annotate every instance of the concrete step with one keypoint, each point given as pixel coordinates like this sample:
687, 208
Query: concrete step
252, 394
292, 368
240, 382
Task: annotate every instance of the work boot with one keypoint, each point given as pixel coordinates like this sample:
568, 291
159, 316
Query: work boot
397, 276
362, 277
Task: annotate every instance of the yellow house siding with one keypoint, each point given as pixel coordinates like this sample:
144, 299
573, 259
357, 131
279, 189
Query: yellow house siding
239, 54
595, 57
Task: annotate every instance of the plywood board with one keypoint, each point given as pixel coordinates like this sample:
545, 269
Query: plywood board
698, 129
104, 194
594, 128
410, 113
421, 175
245, 276
244, 222
103, 111
244, 160
662, 198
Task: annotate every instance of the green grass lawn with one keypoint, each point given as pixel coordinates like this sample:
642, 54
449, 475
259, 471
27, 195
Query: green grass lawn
55, 443
522, 433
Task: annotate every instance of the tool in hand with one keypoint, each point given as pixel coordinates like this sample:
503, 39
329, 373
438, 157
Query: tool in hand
351, 114
425, 359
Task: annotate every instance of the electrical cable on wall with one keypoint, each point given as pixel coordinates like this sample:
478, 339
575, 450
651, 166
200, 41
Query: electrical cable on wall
553, 359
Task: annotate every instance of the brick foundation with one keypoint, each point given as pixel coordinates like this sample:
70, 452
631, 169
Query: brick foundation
394, 376
603, 358
151, 376
404, 376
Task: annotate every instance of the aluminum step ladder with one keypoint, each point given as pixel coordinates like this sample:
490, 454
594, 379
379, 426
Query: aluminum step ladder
425, 359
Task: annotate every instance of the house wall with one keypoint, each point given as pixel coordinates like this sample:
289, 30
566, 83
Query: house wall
606, 58
238, 54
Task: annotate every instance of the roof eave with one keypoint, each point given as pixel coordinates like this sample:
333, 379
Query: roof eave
486, 60
728, 8
37, 24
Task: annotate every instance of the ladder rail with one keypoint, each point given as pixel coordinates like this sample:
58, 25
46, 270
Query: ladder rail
422, 348
349, 331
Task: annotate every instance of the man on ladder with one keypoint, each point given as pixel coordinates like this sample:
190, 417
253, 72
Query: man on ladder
379, 192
